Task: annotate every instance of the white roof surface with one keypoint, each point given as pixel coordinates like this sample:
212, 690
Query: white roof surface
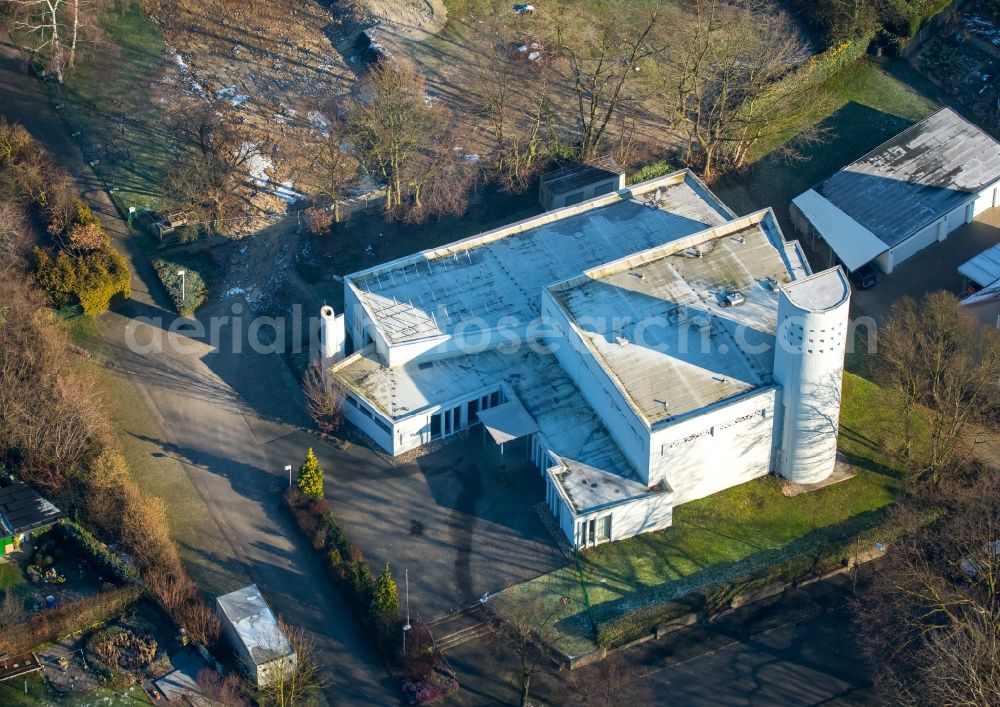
501, 273
983, 269
589, 489
508, 421
655, 321
854, 244
820, 292
549, 396
255, 624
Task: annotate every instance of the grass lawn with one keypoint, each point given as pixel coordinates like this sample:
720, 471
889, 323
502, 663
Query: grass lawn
872, 102
724, 536
109, 98
13, 694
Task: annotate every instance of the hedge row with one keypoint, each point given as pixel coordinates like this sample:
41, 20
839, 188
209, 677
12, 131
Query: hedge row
50, 625
713, 590
345, 562
84, 542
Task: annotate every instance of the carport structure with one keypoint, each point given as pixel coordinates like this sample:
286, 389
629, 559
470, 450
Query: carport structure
905, 195
983, 270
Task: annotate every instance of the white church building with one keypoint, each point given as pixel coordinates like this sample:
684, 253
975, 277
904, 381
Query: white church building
644, 348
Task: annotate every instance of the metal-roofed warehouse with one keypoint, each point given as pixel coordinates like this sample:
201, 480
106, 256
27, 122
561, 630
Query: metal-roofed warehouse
905, 195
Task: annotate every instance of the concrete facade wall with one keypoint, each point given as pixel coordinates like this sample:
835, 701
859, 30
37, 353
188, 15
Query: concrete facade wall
601, 393
726, 446
353, 407
642, 515
987, 199
809, 363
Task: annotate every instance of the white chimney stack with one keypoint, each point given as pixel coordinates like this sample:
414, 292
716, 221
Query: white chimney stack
331, 336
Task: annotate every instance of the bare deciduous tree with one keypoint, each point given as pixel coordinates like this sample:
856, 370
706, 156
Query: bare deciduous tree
323, 400
523, 631
604, 51
209, 178
389, 125
42, 20
333, 171
515, 101
614, 682
13, 234
941, 365
729, 81
300, 685
930, 621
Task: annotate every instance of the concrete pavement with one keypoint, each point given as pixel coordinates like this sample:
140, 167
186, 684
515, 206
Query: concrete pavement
211, 434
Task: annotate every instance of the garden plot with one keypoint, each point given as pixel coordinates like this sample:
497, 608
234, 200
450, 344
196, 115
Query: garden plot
964, 60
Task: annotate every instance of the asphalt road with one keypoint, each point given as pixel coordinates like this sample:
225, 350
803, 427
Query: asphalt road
794, 652
231, 452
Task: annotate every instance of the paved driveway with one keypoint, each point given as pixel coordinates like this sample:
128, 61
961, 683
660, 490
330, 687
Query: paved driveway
462, 519
934, 268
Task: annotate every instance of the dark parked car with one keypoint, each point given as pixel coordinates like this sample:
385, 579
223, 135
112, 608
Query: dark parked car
864, 277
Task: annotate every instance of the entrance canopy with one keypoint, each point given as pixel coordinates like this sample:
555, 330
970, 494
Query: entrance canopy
507, 422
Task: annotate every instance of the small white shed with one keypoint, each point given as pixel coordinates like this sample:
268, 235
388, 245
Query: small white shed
252, 629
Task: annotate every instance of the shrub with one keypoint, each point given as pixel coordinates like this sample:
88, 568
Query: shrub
91, 278
715, 591
83, 542
319, 220
87, 236
650, 171
188, 292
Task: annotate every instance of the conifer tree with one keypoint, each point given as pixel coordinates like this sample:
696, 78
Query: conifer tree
311, 477
385, 602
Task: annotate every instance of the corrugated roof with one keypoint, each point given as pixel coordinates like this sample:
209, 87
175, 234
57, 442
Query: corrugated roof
22, 509
984, 269
916, 177
854, 244
987, 294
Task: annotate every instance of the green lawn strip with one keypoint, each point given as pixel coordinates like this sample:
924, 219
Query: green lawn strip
559, 602
34, 691
736, 539
114, 82
206, 553
188, 291
871, 101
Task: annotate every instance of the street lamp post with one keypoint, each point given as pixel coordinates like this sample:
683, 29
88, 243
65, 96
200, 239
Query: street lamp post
406, 626
183, 273
288, 468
